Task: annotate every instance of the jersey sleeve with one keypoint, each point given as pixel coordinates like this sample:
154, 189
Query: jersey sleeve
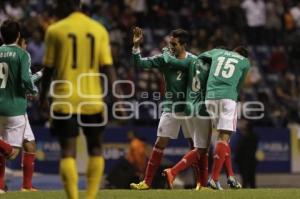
206, 56
174, 63
156, 61
37, 76
105, 57
50, 43
27, 81
244, 75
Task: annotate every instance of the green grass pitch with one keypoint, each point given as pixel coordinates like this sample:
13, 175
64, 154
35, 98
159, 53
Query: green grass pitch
167, 194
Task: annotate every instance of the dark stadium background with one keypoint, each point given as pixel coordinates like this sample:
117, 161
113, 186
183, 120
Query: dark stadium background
274, 45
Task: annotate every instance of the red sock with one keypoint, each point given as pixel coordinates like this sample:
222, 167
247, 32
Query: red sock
5, 148
187, 160
219, 158
228, 165
153, 164
196, 171
203, 170
2, 172
28, 169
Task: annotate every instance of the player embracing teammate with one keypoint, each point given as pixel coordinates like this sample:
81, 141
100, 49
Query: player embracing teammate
214, 80
174, 100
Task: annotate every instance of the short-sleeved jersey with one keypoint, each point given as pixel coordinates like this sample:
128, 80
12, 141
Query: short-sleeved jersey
76, 46
227, 73
197, 75
175, 80
15, 80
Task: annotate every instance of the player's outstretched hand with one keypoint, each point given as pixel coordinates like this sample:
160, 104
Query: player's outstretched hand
137, 36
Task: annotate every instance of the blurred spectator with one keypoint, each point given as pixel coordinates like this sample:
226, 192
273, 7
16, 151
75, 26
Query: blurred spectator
137, 155
200, 41
278, 62
131, 168
287, 94
211, 23
255, 11
295, 13
245, 154
14, 9
3, 14
274, 13
217, 39
36, 48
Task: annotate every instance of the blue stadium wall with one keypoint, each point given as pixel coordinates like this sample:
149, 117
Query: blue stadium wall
273, 154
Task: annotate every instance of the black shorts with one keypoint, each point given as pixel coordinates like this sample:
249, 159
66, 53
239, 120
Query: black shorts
70, 127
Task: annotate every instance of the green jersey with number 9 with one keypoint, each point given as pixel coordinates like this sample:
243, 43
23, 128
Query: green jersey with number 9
15, 80
227, 74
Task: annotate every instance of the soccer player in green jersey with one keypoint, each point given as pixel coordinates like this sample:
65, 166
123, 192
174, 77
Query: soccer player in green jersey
174, 98
228, 70
15, 83
197, 121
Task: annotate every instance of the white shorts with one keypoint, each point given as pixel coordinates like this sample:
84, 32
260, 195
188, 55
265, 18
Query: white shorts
14, 130
223, 113
169, 125
200, 130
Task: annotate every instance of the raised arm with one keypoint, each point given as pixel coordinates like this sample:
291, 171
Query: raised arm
148, 62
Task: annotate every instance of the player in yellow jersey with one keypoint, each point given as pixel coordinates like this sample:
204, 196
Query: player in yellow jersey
75, 48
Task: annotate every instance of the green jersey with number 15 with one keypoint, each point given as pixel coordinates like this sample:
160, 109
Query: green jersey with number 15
227, 74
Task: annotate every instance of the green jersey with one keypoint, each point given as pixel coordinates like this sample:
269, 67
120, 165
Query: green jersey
175, 80
15, 80
197, 72
227, 73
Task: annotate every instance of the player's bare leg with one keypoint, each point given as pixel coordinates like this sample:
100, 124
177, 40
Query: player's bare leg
67, 167
28, 158
153, 164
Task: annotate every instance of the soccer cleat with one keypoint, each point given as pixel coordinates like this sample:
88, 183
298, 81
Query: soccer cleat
214, 185
139, 186
169, 177
233, 183
198, 186
4, 189
28, 190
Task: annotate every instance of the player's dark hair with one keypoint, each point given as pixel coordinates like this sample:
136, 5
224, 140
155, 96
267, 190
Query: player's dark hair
182, 35
10, 31
242, 50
